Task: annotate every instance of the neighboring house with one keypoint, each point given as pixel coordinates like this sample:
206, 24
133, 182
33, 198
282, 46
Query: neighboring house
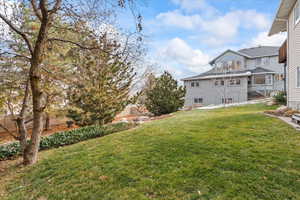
237, 76
288, 20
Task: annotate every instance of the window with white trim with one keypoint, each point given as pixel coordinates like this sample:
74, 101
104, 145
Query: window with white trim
269, 79
298, 77
259, 79
267, 61
198, 100
297, 12
258, 61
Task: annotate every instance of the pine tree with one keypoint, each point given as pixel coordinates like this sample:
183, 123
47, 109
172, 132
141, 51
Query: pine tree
102, 83
165, 96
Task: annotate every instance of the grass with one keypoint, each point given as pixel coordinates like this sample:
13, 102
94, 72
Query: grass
225, 154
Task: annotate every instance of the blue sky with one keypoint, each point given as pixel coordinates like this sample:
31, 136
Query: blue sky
184, 35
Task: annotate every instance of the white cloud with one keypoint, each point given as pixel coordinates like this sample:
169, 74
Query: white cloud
178, 51
177, 19
220, 29
194, 5
264, 40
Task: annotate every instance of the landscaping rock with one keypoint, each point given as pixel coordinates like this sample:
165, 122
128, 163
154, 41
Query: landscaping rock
282, 109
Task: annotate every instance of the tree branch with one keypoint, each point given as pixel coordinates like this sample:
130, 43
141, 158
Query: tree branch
15, 54
15, 29
72, 42
35, 9
55, 7
8, 131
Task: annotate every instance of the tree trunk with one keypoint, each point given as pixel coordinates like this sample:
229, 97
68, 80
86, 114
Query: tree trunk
31, 151
22, 134
47, 122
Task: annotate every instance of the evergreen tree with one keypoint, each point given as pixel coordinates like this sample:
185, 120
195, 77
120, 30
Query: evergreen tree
165, 96
102, 83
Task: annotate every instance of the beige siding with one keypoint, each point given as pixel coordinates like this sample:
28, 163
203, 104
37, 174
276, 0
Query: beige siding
293, 62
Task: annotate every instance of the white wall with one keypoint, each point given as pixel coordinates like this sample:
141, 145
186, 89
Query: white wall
293, 62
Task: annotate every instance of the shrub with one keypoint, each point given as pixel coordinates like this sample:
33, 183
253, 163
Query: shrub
280, 98
166, 96
65, 138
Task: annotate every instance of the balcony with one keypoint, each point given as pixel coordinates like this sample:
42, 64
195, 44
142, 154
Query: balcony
283, 53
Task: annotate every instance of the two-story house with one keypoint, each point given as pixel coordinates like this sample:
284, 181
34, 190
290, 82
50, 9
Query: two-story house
237, 76
288, 20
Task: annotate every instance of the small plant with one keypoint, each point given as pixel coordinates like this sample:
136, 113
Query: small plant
280, 98
69, 124
59, 139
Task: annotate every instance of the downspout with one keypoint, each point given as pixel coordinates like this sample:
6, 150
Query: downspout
285, 79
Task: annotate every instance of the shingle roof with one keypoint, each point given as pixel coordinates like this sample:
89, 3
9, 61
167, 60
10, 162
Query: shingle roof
213, 73
261, 51
254, 52
261, 70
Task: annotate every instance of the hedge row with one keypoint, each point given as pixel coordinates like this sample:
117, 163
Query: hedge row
65, 138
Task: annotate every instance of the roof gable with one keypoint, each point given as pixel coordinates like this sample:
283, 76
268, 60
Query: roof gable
228, 51
261, 51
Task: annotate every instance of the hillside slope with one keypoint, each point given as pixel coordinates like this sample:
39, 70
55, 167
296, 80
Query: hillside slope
234, 153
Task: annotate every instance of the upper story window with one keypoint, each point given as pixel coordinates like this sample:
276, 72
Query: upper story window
227, 66
297, 12
238, 64
258, 61
266, 61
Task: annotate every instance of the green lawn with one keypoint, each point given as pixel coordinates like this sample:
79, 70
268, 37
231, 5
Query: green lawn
224, 154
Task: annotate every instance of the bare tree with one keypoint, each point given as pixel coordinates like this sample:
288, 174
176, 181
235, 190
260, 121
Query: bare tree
72, 16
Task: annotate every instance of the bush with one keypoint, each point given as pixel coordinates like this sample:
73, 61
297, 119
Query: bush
166, 96
65, 138
280, 98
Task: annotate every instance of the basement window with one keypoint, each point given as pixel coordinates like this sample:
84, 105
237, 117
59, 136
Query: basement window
198, 100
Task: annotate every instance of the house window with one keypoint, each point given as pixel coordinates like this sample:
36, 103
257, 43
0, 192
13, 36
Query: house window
297, 13
222, 82
298, 77
269, 79
198, 100
234, 82
195, 84
216, 83
267, 61
238, 64
258, 61
227, 100
260, 79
